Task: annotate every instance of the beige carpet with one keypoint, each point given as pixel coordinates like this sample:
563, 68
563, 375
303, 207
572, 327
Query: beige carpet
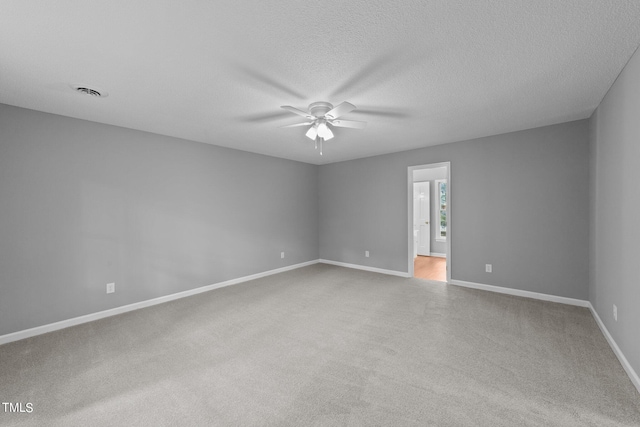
325, 345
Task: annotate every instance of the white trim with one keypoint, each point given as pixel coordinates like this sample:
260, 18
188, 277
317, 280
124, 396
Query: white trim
441, 239
633, 376
439, 255
449, 222
366, 268
410, 170
38, 330
19, 335
521, 293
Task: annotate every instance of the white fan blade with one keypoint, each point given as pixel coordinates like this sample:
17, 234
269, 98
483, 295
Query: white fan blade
340, 110
298, 112
348, 124
297, 124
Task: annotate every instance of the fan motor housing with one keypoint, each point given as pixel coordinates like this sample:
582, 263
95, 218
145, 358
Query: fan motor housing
319, 109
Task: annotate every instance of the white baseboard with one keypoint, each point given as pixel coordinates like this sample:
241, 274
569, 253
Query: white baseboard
436, 254
521, 293
15, 336
366, 268
633, 376
38, 330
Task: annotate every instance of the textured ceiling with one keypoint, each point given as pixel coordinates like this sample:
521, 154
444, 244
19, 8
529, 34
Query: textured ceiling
421, 72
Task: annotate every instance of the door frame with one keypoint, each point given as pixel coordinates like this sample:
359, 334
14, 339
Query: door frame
410, 170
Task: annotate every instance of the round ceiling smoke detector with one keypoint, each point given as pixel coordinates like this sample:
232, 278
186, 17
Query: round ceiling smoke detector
86, 90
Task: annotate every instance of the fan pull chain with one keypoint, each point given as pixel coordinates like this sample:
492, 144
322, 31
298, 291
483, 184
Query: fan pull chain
321, 139
316, 140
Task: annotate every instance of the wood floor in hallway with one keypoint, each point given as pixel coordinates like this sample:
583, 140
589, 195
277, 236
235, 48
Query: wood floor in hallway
430, 268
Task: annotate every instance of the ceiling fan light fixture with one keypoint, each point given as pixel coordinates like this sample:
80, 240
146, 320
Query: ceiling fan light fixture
324, 132
312, 132
320, 116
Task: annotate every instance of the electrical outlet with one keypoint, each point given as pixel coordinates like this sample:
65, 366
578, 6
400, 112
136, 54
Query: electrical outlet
111, 288
615, 312
366, 253
488, 268
281, 254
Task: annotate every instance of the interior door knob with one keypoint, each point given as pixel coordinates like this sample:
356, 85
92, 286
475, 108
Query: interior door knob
426, 222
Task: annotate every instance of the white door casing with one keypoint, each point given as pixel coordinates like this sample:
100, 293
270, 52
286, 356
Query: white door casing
416, 229
422, 221
411, 221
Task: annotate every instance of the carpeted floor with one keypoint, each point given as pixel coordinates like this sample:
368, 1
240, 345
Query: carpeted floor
325, 345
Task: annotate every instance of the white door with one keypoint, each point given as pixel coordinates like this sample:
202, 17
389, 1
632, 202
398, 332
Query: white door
421, 216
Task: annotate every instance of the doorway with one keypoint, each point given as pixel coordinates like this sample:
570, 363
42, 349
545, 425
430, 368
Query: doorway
429, 224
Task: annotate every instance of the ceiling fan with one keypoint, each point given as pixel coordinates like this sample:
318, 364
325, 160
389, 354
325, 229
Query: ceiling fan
320, 116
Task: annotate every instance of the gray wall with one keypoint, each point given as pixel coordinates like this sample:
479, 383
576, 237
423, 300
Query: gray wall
615, 209
519, 201
83, 204
439, 247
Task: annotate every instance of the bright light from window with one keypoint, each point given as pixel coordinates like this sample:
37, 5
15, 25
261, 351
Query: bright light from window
441, 230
